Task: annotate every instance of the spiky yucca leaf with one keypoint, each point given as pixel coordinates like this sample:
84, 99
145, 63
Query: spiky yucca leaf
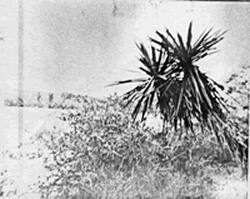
197, 93
155, 67
183, 94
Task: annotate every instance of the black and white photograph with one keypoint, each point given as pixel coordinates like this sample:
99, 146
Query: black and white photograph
124, 99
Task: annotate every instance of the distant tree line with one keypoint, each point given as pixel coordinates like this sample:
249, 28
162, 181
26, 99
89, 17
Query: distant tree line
46, 100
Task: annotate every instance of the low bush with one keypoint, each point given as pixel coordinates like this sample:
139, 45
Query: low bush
99, 153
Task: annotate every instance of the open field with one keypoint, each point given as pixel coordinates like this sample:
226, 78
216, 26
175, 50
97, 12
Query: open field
34, 120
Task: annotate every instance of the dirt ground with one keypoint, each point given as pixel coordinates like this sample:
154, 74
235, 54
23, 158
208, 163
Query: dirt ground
232, 186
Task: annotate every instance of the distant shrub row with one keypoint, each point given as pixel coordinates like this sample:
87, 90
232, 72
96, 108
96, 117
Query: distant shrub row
46, 100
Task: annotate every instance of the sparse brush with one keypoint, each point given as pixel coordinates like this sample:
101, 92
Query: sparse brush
101, 154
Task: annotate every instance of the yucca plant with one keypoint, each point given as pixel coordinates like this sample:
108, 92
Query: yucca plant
175, 85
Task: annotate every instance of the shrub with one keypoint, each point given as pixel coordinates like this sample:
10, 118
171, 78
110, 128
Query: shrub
98, 150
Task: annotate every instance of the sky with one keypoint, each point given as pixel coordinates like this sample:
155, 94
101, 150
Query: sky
80, 46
